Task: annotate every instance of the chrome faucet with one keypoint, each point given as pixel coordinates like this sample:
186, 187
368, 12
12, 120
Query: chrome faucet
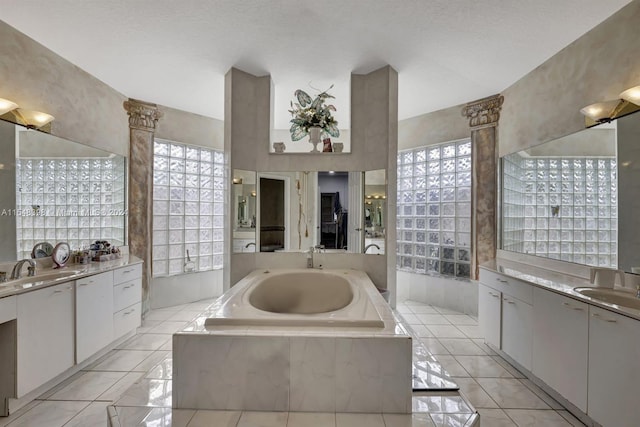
17, 269
249, 244
366, 248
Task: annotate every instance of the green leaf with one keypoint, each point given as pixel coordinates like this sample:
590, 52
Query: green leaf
303, 97
332, 130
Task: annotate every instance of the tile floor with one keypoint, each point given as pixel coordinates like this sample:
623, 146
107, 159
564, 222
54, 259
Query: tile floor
136, 377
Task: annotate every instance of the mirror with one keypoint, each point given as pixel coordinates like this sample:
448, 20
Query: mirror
575, 199
298, 210
375, 211
64, 191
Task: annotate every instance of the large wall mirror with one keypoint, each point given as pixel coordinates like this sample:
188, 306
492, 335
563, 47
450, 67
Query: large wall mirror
60, 191
576, 198
293, 211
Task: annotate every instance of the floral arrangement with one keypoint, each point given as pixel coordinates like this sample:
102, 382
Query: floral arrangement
309, 113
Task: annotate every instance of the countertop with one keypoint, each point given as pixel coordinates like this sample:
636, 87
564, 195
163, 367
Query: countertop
559, 283
40, 280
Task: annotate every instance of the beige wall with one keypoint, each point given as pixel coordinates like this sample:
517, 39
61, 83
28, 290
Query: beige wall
189, 128
433, 128
546, 103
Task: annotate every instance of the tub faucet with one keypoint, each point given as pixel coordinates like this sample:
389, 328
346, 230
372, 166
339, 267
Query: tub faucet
17, 269
249, 244
366, 248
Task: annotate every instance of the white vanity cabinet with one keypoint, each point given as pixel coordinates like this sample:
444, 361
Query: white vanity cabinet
560, 344
94, 314
127, 295
45, 335
513, 309
614, 368
489, 314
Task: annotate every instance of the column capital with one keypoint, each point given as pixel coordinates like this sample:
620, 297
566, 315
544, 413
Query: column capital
142, 115
483, 112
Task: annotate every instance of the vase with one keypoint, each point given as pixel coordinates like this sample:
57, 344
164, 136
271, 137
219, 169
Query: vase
314, 138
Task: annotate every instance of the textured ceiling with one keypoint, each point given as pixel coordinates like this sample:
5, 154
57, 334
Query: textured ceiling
176, 53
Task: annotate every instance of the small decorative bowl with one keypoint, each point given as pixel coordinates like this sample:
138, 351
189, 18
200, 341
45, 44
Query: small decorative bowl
337, 147
279, 147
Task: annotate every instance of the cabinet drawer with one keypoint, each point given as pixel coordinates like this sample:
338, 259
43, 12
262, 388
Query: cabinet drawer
125, 274
126, 294
508, 285
7, 309
101, 279
126, 320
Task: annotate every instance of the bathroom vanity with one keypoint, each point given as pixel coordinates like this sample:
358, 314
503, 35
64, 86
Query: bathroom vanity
55, 323
585, 352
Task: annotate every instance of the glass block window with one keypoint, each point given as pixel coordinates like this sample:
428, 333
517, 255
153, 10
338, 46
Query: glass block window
188, 207
561, 208
434, 209
73, 200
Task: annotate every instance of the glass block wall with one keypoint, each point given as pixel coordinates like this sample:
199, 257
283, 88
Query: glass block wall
188, 207
434, 209
73, 200
561, 208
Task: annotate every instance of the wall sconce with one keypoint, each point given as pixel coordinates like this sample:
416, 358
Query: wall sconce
32, 119
606, 111
6, 106
237, 180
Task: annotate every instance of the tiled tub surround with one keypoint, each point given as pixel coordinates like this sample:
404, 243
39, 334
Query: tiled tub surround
294, 368
584, 352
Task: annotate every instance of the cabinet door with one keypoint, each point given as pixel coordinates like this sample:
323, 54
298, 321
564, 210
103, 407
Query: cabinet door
561, 344
489, 313
94, 314
614, 369
516, 330
45, 335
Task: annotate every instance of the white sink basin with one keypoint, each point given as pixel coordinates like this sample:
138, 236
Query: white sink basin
46, 276
611, 296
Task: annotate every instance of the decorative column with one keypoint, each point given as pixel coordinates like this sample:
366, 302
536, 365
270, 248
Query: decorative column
483, 116
143, 118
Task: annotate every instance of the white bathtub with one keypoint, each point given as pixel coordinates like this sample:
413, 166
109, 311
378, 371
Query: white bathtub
298, 297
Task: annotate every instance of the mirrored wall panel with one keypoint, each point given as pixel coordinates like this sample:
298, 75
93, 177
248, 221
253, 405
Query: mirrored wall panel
572, 199
375, 211
64, 191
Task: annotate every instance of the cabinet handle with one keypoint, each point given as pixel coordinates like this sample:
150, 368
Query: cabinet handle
494, 295
128, 286
597, 316
506, 282
508, 301
59, 291
567, 305
126, 313
126, 271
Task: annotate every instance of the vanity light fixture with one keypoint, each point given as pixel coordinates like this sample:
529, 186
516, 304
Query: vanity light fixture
6, 106
606, 111
32, 119
237, 180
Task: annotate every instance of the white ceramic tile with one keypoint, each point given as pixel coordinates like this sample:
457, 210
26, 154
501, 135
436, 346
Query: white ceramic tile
168, 327
203, 418
506, 365
483, 366
133, 416
433, 319
460, 319
407, 420
429, 375
475, 394
263, 419
541, 394
446, 331
122, 360
147, 325
495, 418
145, 342
434, 346
20, 412
511, 393
162, 370
570, 418
359, 420
118, 389
358, 380
158, 315
168, 346
452, 404
250, 373
315, 419
411, 319
49, 414
313, 382
532, 418
421, 331
443, 310
185, 316
452, 420
423, 309
480, 343
471, 331
151, 361
401, 308
462, 347
88, 386
452, 366
94, 415
147, 392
